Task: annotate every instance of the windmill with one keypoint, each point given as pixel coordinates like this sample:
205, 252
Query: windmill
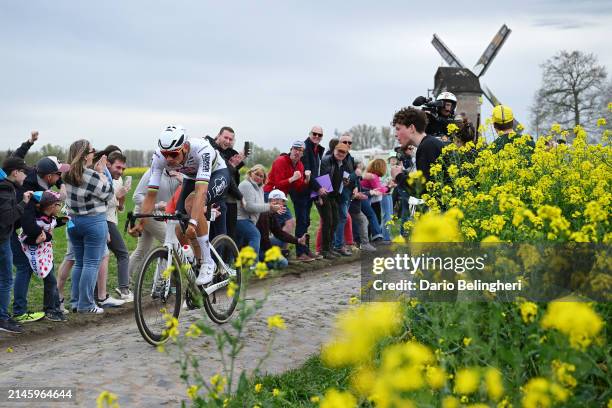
462, 81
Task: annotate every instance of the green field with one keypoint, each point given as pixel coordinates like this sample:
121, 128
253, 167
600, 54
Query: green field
35, 297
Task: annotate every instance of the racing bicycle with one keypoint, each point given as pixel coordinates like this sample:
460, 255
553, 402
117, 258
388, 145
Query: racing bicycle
159, 285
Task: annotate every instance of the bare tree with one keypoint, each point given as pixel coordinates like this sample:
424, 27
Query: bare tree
571, 92
364, 136
386, 138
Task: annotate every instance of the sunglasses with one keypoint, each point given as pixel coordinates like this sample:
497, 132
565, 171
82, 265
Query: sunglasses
171, 154
92, 151
346, 142
315, 134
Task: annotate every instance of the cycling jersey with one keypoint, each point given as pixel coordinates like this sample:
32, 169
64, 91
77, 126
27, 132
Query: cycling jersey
200, 162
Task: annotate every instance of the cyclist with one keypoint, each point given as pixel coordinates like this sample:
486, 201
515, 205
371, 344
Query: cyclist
204, 172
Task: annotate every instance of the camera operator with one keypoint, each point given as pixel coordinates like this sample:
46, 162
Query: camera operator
440, 113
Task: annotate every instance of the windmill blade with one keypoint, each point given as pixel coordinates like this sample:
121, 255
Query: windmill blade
448, 56
493, 99
489, 54
487, 92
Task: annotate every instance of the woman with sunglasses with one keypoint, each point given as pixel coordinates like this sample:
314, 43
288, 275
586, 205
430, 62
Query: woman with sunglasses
89, 187
204, 171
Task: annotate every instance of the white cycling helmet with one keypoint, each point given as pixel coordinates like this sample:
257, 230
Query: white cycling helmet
172, 138
447, 96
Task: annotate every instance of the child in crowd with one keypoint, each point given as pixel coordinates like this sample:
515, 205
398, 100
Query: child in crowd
39, 219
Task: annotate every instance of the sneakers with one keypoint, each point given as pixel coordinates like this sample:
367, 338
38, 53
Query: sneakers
110, 302
343, 251
125, 294
93, 310
57, 316
206, 273
62, 308
10, 326
328, 255
335, 253
29, 317
367, 247
305, 258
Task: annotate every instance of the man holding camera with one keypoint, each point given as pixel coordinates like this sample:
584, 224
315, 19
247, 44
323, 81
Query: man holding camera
224, 144
440, 113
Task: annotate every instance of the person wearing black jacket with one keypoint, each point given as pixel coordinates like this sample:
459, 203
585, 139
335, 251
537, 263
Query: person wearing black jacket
410, 124
12, 175
224, 144
334, 166
302, 203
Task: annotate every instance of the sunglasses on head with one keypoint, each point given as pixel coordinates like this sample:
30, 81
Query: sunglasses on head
315, 134
171, 154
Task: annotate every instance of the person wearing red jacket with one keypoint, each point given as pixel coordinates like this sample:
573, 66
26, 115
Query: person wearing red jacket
287, 175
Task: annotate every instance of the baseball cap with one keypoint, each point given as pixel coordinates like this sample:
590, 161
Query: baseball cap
46, 198
298, 144
51, 164
277, 194
14, 163
502, 114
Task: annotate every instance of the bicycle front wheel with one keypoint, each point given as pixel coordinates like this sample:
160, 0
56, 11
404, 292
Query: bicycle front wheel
155, 296
218, 305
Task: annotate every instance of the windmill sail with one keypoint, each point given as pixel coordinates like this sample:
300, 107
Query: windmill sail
448, 56
489, 54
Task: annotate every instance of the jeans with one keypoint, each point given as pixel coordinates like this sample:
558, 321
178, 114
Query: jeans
301, 205
387, 213
219, 225
6, 277
248, 234
117, 247
367, 210
23, 273
88, 237
343, 205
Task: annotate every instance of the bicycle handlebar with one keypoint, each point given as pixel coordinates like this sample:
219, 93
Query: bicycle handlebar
131, 218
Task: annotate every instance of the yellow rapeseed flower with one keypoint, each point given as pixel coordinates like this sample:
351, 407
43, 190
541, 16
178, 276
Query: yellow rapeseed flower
275, 392
562, 372
601, 122
467, 341
193, 331
467, 381
192, 391
261, 270
258, 388
231, 289
576, 320
315, 399
107, 400
494, 383
273, 254
276, 322
529, 311
338, 399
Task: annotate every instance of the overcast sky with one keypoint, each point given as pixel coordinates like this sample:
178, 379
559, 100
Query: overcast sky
118, 72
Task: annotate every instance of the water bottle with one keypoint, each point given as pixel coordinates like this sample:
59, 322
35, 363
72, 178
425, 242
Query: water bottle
188, 253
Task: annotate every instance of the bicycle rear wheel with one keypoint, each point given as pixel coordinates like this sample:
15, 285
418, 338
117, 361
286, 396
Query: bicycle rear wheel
218, 305
151, 301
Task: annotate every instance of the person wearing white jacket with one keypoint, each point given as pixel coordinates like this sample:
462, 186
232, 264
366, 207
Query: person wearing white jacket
252, 205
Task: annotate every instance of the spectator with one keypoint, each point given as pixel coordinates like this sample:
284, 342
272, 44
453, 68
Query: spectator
302, 203
344, 228
269, 223
153, 230
409, 124
224, 143
503, 122
12, 175
45, 175
116, 164
253, 205
371, 181
89, 190
387, 198
287, 175
358, 219
332, 165
366, 207
39, 220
